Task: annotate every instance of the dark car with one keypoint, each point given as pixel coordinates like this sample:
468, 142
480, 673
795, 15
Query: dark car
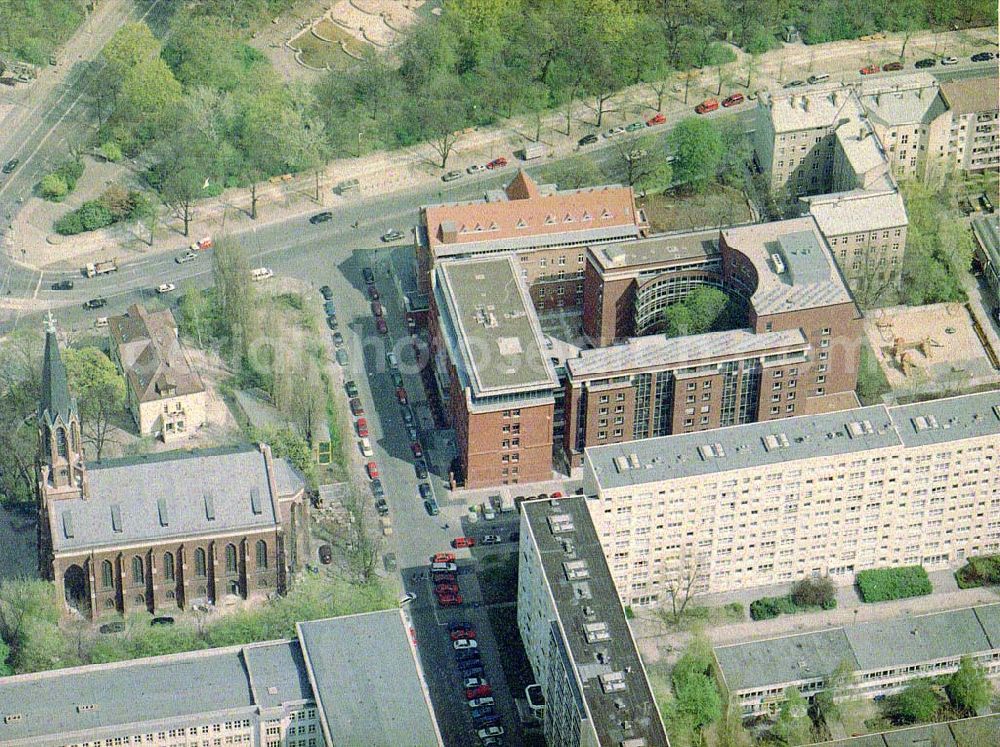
331, 321
356, 407
588, 139
325, 554
10, 165
381, 507
397, 378
471, 668
165, 620
377, 309
321, 217
794, 84
421, 467
351, 388
926, 62
407, 415
392, 235
377, 490
440, 577
373, 293
381, 326
326, 291
466, 654
342, 357
95, 303
425, 490
112, 627
329, 308
431, 507
63, 285
338, 339
983, 56
369, 275
892, 67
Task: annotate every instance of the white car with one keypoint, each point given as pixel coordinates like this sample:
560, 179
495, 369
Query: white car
949, 61
614, 131
188, 256
407, 598
366, 447
444, 568
166, 288
471, 682
482, 702
476, 168
491, 539
391, 359
490, 731
462, 643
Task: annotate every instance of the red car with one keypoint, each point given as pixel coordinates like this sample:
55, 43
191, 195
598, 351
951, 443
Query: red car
870, 69
444, 578
463, 633
478, 692
556, 494
463, 542
381, 326
443, 557
401, 395
362, 427
446, 589
373, 293
373, 470
449, 600
733, 99
416, 449
656, 119
356, 407
706, 106
497, 163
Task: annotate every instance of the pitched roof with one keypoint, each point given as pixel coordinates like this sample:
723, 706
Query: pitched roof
971, 95
56, 402
153, 360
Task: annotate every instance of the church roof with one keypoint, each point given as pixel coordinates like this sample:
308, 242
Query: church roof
56, 401
178, 494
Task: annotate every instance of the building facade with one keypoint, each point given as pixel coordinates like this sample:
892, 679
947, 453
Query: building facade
161, 532
576, 636
974, 136
165, 395
986, 232
770, 503
871, 659
271, 694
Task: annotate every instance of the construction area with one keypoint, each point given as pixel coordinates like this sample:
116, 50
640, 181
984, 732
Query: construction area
932, 348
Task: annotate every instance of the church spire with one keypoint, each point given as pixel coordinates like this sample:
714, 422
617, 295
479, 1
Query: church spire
56, 401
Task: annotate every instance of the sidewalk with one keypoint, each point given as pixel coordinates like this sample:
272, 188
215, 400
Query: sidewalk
656, 644
391, 171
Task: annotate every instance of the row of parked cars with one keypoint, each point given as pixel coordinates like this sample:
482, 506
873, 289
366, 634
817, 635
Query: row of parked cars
444, 576
891, 67
475, 686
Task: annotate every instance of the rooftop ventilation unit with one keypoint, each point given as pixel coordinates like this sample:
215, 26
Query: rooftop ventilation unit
86, 707
596, 631
633, 461
779, 264
560, 523
711, 451
925, 422
568, 547
621, 464
576, 570
613, 682
12, 718
858, 428
775, 441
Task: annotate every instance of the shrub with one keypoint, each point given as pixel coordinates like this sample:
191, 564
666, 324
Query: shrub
53, 188
110, 151
767, 607
815, 592
917, 703
94, 214
981, 571
69, 224
70, 172
882, 584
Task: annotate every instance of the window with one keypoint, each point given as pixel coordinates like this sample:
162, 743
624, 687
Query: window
168, 566
261, 555
603, 399
61, 448
688, 421
107, 574
706, 385
199, 563
138, 572
230, 558
774, 409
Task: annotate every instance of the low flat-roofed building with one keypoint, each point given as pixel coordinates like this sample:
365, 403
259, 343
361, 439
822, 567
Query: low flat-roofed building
830, 493
493, 371
576, 636
313, 691
966, 732
883, 656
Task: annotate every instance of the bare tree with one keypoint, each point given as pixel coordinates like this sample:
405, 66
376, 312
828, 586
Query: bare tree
874, 281
679, 582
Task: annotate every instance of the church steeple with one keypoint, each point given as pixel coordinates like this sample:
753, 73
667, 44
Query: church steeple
60, 448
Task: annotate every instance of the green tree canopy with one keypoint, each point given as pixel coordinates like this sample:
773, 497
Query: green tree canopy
698, 151
793, 725
705, 309
99, 389
916, 704
968, 689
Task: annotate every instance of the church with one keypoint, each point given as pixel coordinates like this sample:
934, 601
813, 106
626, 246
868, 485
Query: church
160, 532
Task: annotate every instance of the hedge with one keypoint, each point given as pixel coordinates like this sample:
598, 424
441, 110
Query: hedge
981, 571
883, 584
766, 608
115, 205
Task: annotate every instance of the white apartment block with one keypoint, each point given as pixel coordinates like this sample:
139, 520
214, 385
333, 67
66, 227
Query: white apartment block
769, 503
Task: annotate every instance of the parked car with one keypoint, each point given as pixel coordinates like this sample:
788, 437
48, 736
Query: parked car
368, 275
392, 235
338, 339
412, 432
467, 654
166, 288
341, 357
331, 322
480, 691
325, 554
116, 626
377, 489
482, 702
431, 507
444, 578
407, 598
491, 539
657, 119
926, 62
462, 633
407, 415
63, 285
381, 507
817, 78
476, 168
891, 67
471, 668
425, 490
983, 56
356, 407
450, 600
420, 466
365, 445
587, 140
614, 131
474, 682
463, 542
492, 731
187, 256
372, 469
449, 567
377, 309
446, 588
362, 426
401, 395
497, 163
373, 293
381, 326
706, 106
443, 557
949, 60
452, 176
417, 449
329, 308
351, 388
482, 712
326, 291
95, 303
163, 620
635, 126
11, 165
870, 69
733, 99
323, 217
794, 84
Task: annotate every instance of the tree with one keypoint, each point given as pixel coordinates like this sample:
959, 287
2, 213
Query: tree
29, 612
698, 701
574, 173
698, 150
194, 319
968, 689
53, 187
917, 703
100, 393
645, 163
20, 374
679, 582
235, 295
793, 725
182, 186
705, 309
439, 116
814, 592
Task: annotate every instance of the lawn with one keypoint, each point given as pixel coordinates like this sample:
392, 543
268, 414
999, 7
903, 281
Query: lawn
717, 206
320, 53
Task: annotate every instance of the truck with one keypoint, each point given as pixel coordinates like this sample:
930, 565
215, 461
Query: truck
506, 503
92, 269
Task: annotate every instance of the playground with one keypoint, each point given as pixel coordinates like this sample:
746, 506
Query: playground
930, 348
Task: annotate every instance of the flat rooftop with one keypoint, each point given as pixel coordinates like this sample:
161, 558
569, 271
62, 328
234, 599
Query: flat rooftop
804, 437
613, 682
971, 95
657, 250
898, 642
368, 684
807, 277
660, 352
493, 327
857, 211
979, 730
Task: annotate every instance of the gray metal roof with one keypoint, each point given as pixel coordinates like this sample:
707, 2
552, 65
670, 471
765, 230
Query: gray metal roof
56, 402
607, 710
277, 673
537, 241
367, 683
966, 732
857, 211
989, 619
661, 352
939, 421
236, 481
986, 228
777, 661
743, 446
496, 330
657, 249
